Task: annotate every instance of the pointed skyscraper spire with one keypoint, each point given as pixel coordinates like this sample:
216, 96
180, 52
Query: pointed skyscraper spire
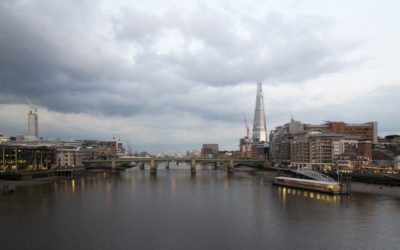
259, 127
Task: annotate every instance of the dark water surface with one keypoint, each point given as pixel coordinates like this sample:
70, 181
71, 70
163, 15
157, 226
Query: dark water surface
133, 210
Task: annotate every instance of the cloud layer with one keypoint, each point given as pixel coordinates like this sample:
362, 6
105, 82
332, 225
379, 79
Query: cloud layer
75, 57
196, 64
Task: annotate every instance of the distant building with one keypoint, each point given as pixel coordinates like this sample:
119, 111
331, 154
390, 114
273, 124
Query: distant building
259, 125
209, 150
4, 138
193, 153
245, 147
392, 144
33, 127
119, 148
397, 162
259, 144
386, 153
102, 150
393, 140
368, 130
226, 154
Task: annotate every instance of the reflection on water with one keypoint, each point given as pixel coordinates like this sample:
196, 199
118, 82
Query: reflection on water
289, 193
73, 185
174, 210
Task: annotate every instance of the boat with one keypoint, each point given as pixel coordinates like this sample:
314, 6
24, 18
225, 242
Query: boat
312, 185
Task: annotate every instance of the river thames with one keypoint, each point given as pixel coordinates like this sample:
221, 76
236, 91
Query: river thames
174, 210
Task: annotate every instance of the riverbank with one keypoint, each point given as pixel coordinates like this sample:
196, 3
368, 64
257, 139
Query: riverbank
359, 187
23, 183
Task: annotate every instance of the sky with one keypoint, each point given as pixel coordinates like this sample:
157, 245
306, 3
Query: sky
168, 76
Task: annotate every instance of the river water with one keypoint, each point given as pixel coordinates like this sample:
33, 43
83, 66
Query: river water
174, 210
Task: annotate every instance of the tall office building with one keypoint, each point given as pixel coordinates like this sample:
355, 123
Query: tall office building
259, 127
33, 126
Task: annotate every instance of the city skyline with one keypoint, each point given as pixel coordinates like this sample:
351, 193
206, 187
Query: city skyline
172, 77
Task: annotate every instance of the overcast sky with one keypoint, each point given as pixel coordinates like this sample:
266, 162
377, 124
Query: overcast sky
172, 76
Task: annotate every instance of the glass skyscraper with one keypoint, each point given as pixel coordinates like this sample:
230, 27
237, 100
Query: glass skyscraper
259, 125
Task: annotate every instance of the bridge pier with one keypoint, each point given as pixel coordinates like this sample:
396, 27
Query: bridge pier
231, 167
215, 165
167, 165
193, 167
153, 167
141, 167
114, 166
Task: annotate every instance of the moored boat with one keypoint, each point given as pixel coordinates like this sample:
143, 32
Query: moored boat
312, 185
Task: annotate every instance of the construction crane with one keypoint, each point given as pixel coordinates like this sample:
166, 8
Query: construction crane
247, 127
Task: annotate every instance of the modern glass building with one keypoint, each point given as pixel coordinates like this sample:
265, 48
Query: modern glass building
259, 125
25, 157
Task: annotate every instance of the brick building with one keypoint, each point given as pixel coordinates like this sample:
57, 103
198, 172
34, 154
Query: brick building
321, 146
368, 130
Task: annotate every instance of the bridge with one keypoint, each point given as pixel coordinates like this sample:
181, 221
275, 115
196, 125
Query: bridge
121, 163
313, 175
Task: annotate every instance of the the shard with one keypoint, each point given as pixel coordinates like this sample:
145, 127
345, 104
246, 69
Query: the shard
259, 127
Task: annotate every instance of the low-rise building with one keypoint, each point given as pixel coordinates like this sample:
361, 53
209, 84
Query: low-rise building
4, 138
68, 157
102, 150
209, 150
193, 153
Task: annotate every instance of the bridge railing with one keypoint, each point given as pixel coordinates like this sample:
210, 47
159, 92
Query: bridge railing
314, 175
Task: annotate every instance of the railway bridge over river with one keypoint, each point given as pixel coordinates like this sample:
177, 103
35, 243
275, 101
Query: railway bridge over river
154, 162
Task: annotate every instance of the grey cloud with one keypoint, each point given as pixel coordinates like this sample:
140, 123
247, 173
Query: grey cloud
275, 48
73, 57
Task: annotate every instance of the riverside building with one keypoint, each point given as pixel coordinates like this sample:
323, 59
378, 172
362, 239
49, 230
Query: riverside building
102, 150
69, 157
18, 156
32, 154
298, 145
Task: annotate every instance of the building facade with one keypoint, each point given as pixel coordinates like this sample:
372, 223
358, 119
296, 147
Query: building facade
68, 158
245, 147
102, 150
33, 125
368, 130
298, 145
209, 150
280, 139
16, 156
